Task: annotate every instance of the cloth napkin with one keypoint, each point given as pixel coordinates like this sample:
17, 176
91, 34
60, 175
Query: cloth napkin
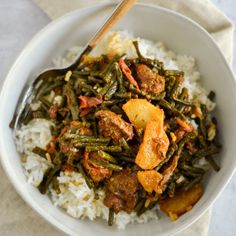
16, 218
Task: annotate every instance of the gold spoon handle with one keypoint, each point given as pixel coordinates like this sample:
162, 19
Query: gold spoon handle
120, 11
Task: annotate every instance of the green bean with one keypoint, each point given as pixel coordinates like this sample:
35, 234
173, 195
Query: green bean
39, 114
45, 102
95, 130
168, 106
139, 205
173, 73
189, 173
144, 209
88, 181
183, 102
13, 121
48, 176
90, 88
123, 95
104, 90
204, 110
195, 170
49, 88
107, 156
106, 165
120, 80
111, 217
28, 116
135, 43
126, 159
171, 189
212, 162
116, 109
186, 138
112, 102
111, 91
39, 151
184, 94
104, 148
208, 151
82, 72
94, 80
211, 95
59, 158
81, 145
91, 140
110, 67
176, 88
158, 97
124, 144
169, 154
171, 82
72, 101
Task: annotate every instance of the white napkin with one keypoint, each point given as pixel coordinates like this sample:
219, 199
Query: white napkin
16, 218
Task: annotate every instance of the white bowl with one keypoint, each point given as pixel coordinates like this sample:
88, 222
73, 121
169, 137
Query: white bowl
179, 34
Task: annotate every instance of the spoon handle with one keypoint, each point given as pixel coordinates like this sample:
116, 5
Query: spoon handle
120, 11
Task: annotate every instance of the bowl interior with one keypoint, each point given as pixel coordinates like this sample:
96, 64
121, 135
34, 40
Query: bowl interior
157, 24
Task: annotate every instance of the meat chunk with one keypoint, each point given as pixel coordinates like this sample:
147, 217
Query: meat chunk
85, 131
112, 125
97, 173
150, 81
121, 191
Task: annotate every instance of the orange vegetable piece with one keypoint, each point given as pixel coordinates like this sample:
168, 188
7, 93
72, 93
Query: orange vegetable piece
154, 147
184, 125
88, 102
182, 202
140, 111
149, 179
125, 69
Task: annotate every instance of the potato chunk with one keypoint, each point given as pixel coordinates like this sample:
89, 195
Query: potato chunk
149, 179
182, 202
140, 111
155, 144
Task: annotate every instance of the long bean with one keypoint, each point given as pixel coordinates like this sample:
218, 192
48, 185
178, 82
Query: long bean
212, 162
104, 148
48, 176
107, 156
111, 217
106, 165
88, 181
72, 101
39, 151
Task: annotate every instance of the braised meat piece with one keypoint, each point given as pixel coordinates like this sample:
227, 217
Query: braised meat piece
112, 125
121, 191
97, 173
150, 81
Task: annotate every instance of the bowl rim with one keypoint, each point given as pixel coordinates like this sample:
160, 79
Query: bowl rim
24, 52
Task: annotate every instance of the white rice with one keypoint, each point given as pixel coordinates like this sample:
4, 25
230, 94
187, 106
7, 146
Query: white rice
75, 197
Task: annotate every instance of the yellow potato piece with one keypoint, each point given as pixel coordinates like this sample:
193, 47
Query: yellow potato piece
182, 202
155, 144
140, 111
149, 179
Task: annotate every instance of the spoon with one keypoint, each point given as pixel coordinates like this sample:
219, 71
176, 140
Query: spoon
27, 93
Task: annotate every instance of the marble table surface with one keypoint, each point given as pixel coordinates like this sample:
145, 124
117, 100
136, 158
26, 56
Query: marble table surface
21, 19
